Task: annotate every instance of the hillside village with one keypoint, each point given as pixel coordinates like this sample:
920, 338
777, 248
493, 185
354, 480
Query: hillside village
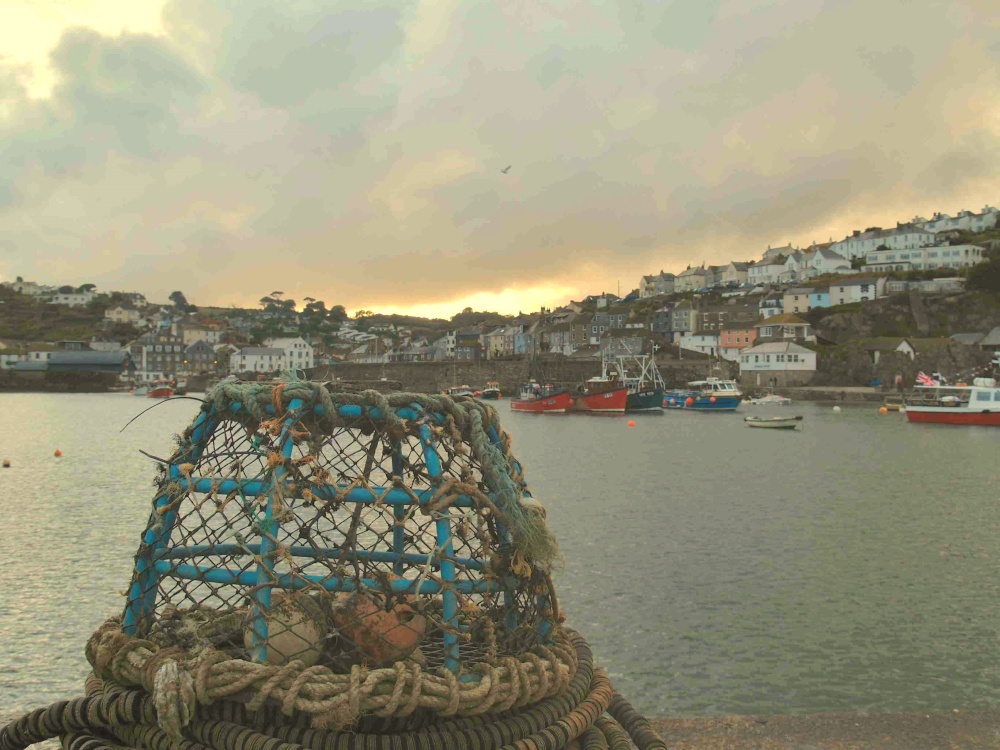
775, 319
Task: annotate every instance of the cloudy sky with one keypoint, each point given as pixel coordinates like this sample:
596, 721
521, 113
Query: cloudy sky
351, 151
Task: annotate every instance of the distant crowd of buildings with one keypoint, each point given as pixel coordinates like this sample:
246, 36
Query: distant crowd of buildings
745, 312
917, 245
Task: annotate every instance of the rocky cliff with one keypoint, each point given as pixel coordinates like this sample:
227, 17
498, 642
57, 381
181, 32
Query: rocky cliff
903, 315
926, 321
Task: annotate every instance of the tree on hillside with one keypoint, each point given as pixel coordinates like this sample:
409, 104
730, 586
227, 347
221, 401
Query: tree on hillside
84, 288
985, 276
179, 300
337, 314
314, 308
360, 314
66, 290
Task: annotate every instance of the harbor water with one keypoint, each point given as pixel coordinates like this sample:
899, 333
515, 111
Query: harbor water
853, 565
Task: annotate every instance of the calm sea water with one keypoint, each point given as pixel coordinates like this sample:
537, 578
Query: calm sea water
715, 569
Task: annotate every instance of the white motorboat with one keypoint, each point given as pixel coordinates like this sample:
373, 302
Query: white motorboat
774, 423
769, 399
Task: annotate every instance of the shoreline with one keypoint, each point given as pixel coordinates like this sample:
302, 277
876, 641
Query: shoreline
924, 730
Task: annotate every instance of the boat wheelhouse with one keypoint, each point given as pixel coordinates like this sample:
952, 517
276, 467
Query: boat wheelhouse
711, 394
978, 404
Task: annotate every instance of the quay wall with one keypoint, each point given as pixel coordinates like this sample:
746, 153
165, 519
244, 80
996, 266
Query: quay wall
434, 377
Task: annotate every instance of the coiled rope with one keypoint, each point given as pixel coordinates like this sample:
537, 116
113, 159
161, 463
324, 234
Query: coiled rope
111, 717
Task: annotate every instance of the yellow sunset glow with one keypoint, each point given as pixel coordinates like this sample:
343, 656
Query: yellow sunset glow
30, 29
507, 302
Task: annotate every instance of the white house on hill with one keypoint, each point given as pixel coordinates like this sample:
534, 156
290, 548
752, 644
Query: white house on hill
933, 256
778, 363
988, 218
856, 290
299, 355
258, 359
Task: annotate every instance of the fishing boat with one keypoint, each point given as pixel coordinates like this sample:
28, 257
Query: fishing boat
978, 404
711, 394
774, 423
491, 392
539, 399
601, 396
637, 373
770, 399
461, 390
160, 389
140, 390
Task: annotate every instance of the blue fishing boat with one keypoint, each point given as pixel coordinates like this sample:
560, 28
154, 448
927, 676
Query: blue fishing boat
711, 394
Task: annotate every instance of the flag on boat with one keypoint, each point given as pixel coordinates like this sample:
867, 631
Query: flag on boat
923, 379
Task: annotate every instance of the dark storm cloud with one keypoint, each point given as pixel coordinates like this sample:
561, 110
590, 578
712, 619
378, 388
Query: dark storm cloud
353, 150
122, 95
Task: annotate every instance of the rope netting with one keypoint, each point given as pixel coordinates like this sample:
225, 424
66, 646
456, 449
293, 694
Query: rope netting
320, 566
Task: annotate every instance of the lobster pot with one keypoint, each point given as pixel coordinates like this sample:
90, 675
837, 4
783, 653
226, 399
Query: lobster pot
297, 524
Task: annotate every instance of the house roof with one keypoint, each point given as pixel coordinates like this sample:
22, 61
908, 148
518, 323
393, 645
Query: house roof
777, 347
739, 326
884, 344
282, 343
856, 282
258, 351
825, 252
970, 339
800, 290
785, 319
992, 338
87, 357
696, 271
922, 345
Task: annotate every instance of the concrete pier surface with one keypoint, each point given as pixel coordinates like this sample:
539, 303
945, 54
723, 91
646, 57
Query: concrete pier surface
941, 730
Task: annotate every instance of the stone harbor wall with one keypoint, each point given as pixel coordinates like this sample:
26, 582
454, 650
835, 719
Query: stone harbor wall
434, 377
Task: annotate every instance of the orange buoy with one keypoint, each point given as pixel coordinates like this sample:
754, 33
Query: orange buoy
883, 410
58, 453
689, 401
631, 423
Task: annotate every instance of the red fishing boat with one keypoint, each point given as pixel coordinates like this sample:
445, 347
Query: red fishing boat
601, 395
160, 389
978, 404
542, 399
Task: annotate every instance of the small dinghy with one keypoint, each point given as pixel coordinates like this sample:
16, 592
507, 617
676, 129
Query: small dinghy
774, 423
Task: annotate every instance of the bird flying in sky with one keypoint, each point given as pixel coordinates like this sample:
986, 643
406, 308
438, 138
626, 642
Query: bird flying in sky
506, 169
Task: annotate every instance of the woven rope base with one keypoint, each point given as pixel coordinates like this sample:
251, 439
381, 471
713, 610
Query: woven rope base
112, 717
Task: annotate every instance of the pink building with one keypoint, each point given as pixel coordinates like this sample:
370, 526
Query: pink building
737, 336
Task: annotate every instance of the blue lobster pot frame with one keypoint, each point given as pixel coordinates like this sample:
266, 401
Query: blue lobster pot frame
364, 528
